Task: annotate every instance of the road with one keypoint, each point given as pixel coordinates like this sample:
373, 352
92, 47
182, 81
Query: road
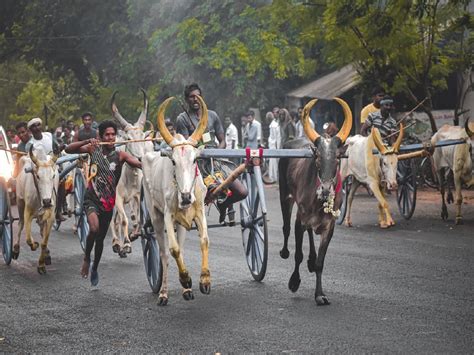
408, 289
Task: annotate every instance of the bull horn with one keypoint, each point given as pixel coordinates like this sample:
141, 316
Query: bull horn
115, 112
33, 158
142, 119
202, 126
377, 138
466, 127
347, 125
308, 130
168, 138
150, 127
398, 142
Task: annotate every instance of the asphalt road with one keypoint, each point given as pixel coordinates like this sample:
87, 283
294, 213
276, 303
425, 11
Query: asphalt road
408, 289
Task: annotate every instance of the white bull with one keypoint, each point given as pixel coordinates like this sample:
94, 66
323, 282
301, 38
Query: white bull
36, 197
371, 169
456, 158
174, 194
129, 185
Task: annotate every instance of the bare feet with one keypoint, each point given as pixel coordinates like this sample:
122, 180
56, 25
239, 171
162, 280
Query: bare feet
85, 268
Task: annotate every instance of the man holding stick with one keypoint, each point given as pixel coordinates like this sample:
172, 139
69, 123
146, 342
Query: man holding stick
99, 200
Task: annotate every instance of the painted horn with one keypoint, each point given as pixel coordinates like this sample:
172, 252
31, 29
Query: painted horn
33, 158
168, 138
308, 130
115, 112
347, 125
398, 142
142, 119
202, 126
466, 127
378, 141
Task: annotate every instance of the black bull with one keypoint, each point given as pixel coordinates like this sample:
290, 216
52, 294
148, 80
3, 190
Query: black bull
310, 183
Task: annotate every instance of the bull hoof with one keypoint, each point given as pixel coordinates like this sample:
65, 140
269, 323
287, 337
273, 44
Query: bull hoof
162, 301
116, 248
186, 282
127, 249
322, 300
311, 265
284, 253
294, 283
41, 270
16, 251
348, 223
122, 254
205, 288
459, 221
188, 294
383, 225
33, 246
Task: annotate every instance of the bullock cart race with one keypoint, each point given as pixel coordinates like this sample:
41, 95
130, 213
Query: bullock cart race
334, 191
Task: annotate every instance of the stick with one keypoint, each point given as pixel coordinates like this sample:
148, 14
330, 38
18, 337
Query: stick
396, 132
132, 141
230, 179
420, 153
408, 113
13, 151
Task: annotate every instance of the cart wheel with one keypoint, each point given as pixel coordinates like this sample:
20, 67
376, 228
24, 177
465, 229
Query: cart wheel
346, 187
79, 212
406, 192
253, 220
6, 223
151, 251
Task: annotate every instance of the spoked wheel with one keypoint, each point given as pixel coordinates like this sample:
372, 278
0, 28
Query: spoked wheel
346, 187
253, 220
406, 192
80, 214
6, 223
427, 173
151, 251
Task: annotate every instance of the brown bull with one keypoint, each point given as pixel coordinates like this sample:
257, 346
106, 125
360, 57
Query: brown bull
315, 186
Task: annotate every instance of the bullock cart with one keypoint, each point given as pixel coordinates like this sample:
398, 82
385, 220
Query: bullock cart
406, 176
253, 212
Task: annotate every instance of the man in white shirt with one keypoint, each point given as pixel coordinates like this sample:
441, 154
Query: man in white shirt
231, 134
274, 142
40, 140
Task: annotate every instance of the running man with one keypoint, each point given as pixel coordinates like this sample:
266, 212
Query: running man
99, 200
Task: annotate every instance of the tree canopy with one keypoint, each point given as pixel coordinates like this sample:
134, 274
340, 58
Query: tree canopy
71, 56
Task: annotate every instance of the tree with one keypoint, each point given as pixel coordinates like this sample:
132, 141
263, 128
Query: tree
402, 44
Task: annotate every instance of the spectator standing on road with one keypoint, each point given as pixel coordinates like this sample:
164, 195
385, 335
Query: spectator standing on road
87, 131
231, 134
274, 141
243, 130
254, 131
377, 94
287, 126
